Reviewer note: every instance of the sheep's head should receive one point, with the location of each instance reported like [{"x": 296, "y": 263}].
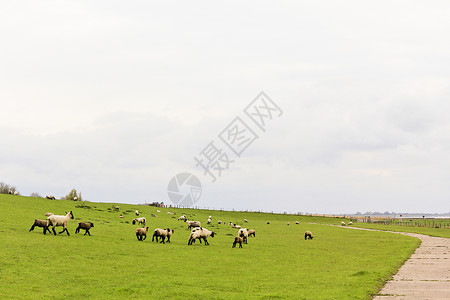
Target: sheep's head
[
  {"x": 71, "y": 214},
  {"x": 134, "y": 221},
  {"x": 92, "y": 224},
  {"x": 212, "y": 233}
]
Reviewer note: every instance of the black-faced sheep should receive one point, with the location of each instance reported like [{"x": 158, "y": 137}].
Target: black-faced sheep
[
  {"x": 350, "y": 223},
  {"x": 56, "y": 220},
  {"x": 141, "y": 220},
  {"x": 219, "y": 222},
  {"x": 209, "y": 221},
  {"x": 136, "y": 212},
  {"x": 183, "y": 217},
  {"x": 297, "y": 222},
  {"x": 243, "y": 232},
  {"x": 41, "y": 223},
  {"x": 238, "y": 239},
  {"x": 162, "y": 234},
  {"x": 308, "y": 235},
  {"x": 245, "y": 220},
  {"x": 202, "y": 233},
  {"x": 86, "y": 226},
  {"x": 141, "y": 233},
  {"x": 268, "y": 222},
  {"x": 50, "y": 197},
  {"x": 251, "y": 232},
  {"x": 343, "y": 223},
  {"x": 192, "y": 224}
]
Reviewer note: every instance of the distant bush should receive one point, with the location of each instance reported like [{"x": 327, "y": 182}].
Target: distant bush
[
  {"x": 35, "y": 195},
  {"x": 73, "y": 195}
]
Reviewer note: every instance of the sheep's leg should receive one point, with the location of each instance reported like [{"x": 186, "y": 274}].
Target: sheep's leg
[
  {"x": 240, "y": 245},
  {"x": 32, "y": 228},
  {"x": 234, "y": 244},
  {"x": 162, "y": 239},
  {"x": 53, "y": 229},
  {"x": 145, "y": 236},
  {"x": 87, "y": 231},
  {"x": 206, "y": 242}
]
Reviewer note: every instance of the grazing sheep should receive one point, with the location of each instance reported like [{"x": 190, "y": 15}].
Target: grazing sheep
[
  {"x": 297, "y": 222},
  {"x": 231, "y": 224},
  {"x": 244, "y": 234},
  {"x": 350, "y": 223},
  {"x": 170, "y": 213},
  {"x": 41, "y": 223},
  {"x": 141, "y": 220},
  {"x": 245, "y": 220},
  {"x": 192, "y": 224},
  {"x": 121, "y": 216},
  {"x": 268, "y": 222},
  {"x": 141, "y": 232},
  {"x": 50, "y": 197},
  {"x": 238, "y": 239},
  {"x": 136, "y": 212},
  {"x": 288, "y": 223},
  {"x": 158, "y": 210},
  {"x": 308, "y": 235},
  {"x": 183, "y": 217},
  {"x": 162, "y": 233},
  {"x": 209, "y": 221},
  {"x": 49, "y": 214},
  {"x": 251, "y": 232},
  {"x": 219, "y": 222},
  {"x": 343, "y": 223},
  {"x": 86, "y": 226},
  {"x": 202, "y": 233},
  {"x": 56, "y": 220},
  {"x": 16, "y": 193},
  {"x": 116, "y": 207},
  {"x": 236, "y": 226}
]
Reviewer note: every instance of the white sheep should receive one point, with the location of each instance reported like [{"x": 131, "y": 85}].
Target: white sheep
[
  {"x": 136, "y": 212},
  {"x": 141, "y": 220},
  {"x": 56, "y": 220},
  {"x": 202, "y": 233},
  {"x": 192, "y": 224},
  {"x": 251, "y": 232},
  {"x": 183, "y": 217},
  {"x": 209, "y": 221},
  {"x": 297, "y": 222},
  {"x": 243, "y": 232},
  {"x": 219, "y": 222},
  {"x": 162, "y": 233},
  {"x": 50, "y": 197},
  {"x": 350, "y": 223},
  {"x": 343, "y": 223},
  {"x": 236, "y": 226},
  {"x": 158, "y": 210},
  {"x": 41, "y": 223},
  {"x": 86, "y": 226},
  {"x": 245, "y": 220},
  {"x": 141, "y": 232},
  {"x": 16, "y": 193}
]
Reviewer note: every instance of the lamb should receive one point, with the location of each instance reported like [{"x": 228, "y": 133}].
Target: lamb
[
  {"x": 41, "y": 223},
  {"x": 288, "y": 223},
  {"x": 141, "y": 220},
  {"x": 55, "y": 220},
  {"x": 86, "y": 226},
  {"x": 192, "y": 224},
  {"x": 238, "y": 239},
  {"x": 308, "y": 235},
  {"x": 251, "y": 232},
  {"x": 50, "y": 197},
  {"x": 183, "y": 217},
  {"x": 244, "y": 234},
  {"x": 162, "y": 233},
  {"x": 343, "y": 223},
  {"x": 209, "y": 221},
  {"x": 136, "y": 212},
  {"x": 219, "y": 222},
  {"x": 49, "y": 214},
  {"x": 141, "y": 232},
  {"x": 202, "y": 233}
]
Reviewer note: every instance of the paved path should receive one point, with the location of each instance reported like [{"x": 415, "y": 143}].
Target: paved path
[{"x": 425, "y": 275}]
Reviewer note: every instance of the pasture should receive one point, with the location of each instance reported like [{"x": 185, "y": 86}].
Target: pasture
[{"x": 111, "y": 263}]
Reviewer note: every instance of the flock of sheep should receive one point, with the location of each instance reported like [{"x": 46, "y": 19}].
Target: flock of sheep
[{"x": 159, "y": 235}]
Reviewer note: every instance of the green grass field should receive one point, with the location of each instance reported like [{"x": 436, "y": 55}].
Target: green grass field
[
  {"x": 439, "y": 232},
  {"x": 111, "y": 264}
]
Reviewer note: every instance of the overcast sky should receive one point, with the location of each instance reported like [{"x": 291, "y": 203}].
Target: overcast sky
[{"x": 114, "y": 98}]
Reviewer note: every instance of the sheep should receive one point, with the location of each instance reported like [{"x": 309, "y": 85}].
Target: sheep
[
  {"x": 16, "y": 193},
  {"x": 231, "y": 224},
  {"x": 236, "y": 226},
  {"x": 209, "y": 221},
  {"x": 297, "y": 222},
  {"x": 308, "y": 235},
  {"x": 162, "y": 233},
  {"x": 244, "y": 234},
  {"x": 219, "y": 222},
  {"x": 238, "y": 239},
  {"x": 141, "y": 232},
  {"x": 343, "y": 223},
  {"x": 192, "y": 224},
  {"x": 50, "y": 197},
  {"x": 288, "y": 223},
  {"x": 202, "y": 233},
  {"x": 141, "y": 220},
  {"x": 251, "y": 232},
  {"x": 86, "y": 226},
  {"x": 268, "y": 222},
  {"x": 183, "y": 217},
  {"x": 154, "y": 216},
  {"x": 350, "y": 223},
  {"x": 158, "y": 210},
  {"x": 49, "y": 214},
  {"x": 136, "y": 212},
  {"x": 41, "y": 223},
  {"x": 121, "y": 216},
  {"x": 56, "y": 220},
  {"x": 245, "y": 220}
]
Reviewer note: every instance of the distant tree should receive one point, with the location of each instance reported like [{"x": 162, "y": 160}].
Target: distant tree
[
  {"x": 7, "y": 189},
  {"x": 36, "y": 195},
  {"x": 73, "y": 195}
]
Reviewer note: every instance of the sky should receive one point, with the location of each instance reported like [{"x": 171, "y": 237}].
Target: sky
[{"x": 115, "y": 98}]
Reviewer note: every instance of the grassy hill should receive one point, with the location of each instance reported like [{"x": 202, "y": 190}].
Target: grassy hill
[{"x": 112, "y": 263}]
